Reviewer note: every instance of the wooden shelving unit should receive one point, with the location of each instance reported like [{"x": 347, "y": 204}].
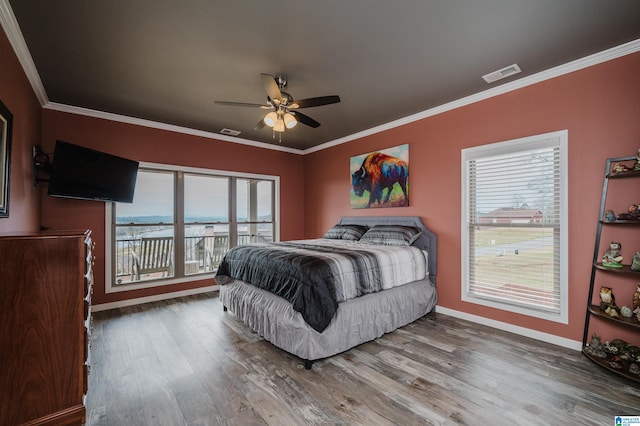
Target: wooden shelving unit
[
  {"x": 626, "y": 269},
  {"x": 612, "y": 363},
  {"x": 614, "y": 366},
  {"x": 632, "y": 322}
]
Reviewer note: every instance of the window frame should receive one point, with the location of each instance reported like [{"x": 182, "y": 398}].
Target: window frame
[
  {"x": 110, "y": 226},
  {"x": 557, "y": 139}
]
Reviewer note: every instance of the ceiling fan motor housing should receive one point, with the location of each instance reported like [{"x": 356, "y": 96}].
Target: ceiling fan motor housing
[{"x": 281, "y": 81}]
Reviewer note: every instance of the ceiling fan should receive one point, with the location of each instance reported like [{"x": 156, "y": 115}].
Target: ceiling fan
[{"x": 284, "y": 109}]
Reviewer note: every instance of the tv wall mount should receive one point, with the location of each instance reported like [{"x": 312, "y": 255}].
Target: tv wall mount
[{"x": 41, "y": 164}]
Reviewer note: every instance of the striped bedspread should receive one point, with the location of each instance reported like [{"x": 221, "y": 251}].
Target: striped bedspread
[{"x": 315, "y": 275}]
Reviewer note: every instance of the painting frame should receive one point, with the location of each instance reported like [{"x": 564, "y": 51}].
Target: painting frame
[
  {"x": 6, "y": 127},
  {"x": 380, "y": 178}
]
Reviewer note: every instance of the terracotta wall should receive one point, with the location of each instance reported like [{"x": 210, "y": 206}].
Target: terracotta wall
[
  {"x": 159, "y": 146},
  {"x": 600, "y": 108},
  {"x": 16, "y": 94}
]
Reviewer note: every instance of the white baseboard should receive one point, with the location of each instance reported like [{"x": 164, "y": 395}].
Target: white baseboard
[
  {"x": 527, "y": 332},
  {"x": 155, "y": 298}
]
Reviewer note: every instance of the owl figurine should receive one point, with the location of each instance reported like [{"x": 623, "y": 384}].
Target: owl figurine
[
  {"x": 635, "y": 263},
  {"x": 636, "y": 298},
  {"x": 613, "y": 256},
  {"x": 595, "y": 347},
  {"x": 607, "y": 298}
]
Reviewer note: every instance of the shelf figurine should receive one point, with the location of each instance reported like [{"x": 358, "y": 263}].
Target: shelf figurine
[
  {"x": 607, "y": 298},
  {"x": 608, "y": 302},
  {"x": 636, "y": 298},
  {"x": 632, "y": 353},
  {"x": 610, "y": 216},
  {"x": 632, "y": 214},
  {"x": 626, "y": 311},
  {"x": 636, "y": 166},
  {"x": 595, "y": 347},
  {"x": 620, "y": 168},
  {"x": 616, "y": 347},
  {"x": 613, "y": 256},
  {"x": 635, "y": 264}
]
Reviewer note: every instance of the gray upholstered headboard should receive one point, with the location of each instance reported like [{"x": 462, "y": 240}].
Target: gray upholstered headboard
[{"x": 428, "y": 240}]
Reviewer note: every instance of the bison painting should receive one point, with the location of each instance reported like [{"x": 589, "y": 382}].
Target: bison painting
[{"x": 377, "y": 172}]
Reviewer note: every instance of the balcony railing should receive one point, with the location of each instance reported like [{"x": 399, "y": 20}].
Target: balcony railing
[{"x": 200, "y": 253}]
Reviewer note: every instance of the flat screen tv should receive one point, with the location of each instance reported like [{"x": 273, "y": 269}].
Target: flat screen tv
[{"x": 86, "y": 174}]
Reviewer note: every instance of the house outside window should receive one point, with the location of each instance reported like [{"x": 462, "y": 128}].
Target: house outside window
[
  {"x": 514, "y": 226},
  {"x": 182, "y": 221}
]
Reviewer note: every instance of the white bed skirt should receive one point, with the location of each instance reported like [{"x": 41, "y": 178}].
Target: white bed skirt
[{"x": 356, "y": 321}]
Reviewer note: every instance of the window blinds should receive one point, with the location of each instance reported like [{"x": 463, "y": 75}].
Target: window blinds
[{"x": 514, "y": 227}]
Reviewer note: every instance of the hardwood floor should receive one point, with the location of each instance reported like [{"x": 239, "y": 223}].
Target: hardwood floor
[{"x": 186, "y": 362}]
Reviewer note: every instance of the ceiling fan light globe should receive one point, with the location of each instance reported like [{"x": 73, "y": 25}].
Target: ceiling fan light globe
[
  {"x": 271, "y": 119},
  {"x": 289, "y": 121}
]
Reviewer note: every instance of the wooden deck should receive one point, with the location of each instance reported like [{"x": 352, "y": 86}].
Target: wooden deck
[{"x": 186, "y": 362}]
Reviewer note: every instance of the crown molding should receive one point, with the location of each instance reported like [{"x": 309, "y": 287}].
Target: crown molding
[
  {"x": 579, "y": 64},
  {"x": 54, "y": 106},
  {"x": 14, "y": 34}
]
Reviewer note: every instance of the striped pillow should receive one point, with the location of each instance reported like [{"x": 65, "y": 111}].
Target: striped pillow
[
  {"x": 391, "y": 235},
  {"x": 346, "y": 232}
]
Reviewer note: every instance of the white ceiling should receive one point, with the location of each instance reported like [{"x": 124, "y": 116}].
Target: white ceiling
[{"x": 167, "y": 61}]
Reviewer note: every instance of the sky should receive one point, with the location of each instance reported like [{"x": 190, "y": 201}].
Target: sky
[{"x": 205, "y": 196}]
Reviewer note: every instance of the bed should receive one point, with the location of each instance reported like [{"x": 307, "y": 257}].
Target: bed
[{"x": 284, "y": 320}]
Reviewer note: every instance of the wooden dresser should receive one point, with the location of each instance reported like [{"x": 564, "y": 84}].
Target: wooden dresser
[{"x": 45, "y": 300}]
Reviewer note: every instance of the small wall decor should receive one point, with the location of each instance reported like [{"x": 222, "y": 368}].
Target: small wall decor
[
  {"x": 6, "y": 123},
  {"x": 380, "y": 178}
]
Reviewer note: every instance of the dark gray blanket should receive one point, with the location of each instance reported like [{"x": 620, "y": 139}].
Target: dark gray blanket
[{"x": 304, "y": 280}]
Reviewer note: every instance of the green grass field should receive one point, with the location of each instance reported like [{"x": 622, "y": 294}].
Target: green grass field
[
  {"x": 498, "y": 236},
  {"x": 531, "y": 267}
]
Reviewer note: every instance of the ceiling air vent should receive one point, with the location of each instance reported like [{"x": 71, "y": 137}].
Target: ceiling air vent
[
  {"x": 230, "y": 132},
  {"x": 503, "y": 73}
]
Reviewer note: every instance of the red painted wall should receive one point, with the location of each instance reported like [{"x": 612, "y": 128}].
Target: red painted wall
[
  {"x": 16, "y": 94},
  {"x": 600, "y": 107},
  {"x": 165, "y": 147}
]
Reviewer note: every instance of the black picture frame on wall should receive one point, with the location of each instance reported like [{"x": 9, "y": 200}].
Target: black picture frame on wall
[{"x": 6, "y": 126}]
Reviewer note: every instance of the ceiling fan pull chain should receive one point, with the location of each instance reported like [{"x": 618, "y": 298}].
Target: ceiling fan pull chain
[{"x": 273, "y": 135}]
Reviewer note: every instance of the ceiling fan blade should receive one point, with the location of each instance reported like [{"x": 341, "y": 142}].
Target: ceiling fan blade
[
  {"x": 313, "y": 102},
  {"x": 243, "y": 104},
  {"x": 260, "y": 124},
  {"x": 305, "y": 119},
  {"x": 271, "y": 87}
]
